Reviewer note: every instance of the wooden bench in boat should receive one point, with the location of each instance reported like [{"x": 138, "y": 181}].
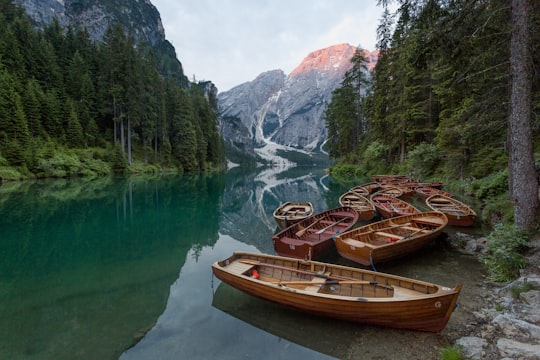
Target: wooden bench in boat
[
  {"x": 435, "y": 222},
  {"x": 388, "y": 235},
  {"x": 314, "y": 287},
  {"x": 240, "y": 268},
  {"x": 400, "y": 292},
  {"x": 414, "y": 229}
]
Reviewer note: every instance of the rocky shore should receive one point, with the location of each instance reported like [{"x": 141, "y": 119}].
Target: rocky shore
[{"x": 507, "y": 324}]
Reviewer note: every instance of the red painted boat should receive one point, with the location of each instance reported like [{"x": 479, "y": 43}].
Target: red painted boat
[{"x": 313, "y": 236}]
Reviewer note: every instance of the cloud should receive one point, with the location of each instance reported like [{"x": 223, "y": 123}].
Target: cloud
[{"x": 232, "y": 41}]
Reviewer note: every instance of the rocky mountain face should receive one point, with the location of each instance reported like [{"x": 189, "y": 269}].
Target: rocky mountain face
[
  {"x": 138, "y": 17},
  {"x": 96, "y": 16},
  {"x": 288, "y": 109}
]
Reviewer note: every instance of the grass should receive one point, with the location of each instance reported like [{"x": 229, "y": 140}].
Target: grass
[{"x": 454, "y": 352}]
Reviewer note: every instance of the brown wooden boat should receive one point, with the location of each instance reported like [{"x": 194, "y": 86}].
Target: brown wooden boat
[
  {"x": 360, "y": 190},
  {"x": 313, "y": 236},
  {"x": 366, "y": 189},
  {"x": 391, "y": 238},
  {"x": 426, "y": 191},
  {"x": 363, "y": 206},
  {"x": 397, "y": 190},
  {"x": 389, "y": 206},
  {"x": 458, "y": 213},
  {"x": 340, "y": 292},
  {"x": 290, "y": 213},
  {"x": 390, "y": 190}
]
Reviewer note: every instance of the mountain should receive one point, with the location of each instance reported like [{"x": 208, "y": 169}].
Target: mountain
[
  {"x": 287, "y": 110},
  {"x": 139, "y": 17}
]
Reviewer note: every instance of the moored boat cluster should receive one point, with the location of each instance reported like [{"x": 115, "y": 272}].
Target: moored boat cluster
[{"x": 395, "y": 229}]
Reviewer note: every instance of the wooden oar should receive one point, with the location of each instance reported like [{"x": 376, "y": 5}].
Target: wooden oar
[
  {"x": 329, "y": 226},
  {"x": 327, "y": 282},
  {"x": 391, "y": 227},
  {"x": 303, "y": 231},
  {"x": 324, "y": 276},
  {"x": 413, "y": 233},
  {"x": 312, "y": 273}
]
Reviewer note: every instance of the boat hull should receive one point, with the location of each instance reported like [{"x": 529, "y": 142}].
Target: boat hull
[
  {"x": 458, "y": 213},
  {"x": 424, "y": 312},
  {"x": 312, "y": 237},
  {"x": 390, "y": 239},
  {"x": 290, "y": 213},
  {"x": 389, "y": 206},
  {"x": 363, "y": 206}
]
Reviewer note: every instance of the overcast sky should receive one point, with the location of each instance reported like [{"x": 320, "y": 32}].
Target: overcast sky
[{"x": 230, "y": 42}]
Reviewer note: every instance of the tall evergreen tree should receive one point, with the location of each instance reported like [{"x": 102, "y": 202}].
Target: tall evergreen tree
[{"x": 523, "y": 177}]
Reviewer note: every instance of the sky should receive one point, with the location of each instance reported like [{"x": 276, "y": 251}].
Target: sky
[{"x": 230, "y": 42}]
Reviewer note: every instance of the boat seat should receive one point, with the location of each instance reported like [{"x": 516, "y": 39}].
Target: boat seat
[
  {"x": 315, "y": 280},
  {"x": 239, "y": 267},
  {"x": 414, "y": 229},
  {"x": 435, "y": 222},
  {"x": 388, "y": 235},
  {"x": 355, "y": 243},
  {"x": 326, "y": 222}
]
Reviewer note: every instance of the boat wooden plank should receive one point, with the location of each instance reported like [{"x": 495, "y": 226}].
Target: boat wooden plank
[
  {"x": 400, "y": 292},
  {"x": 315, "y": 288},
  {"x": 375, "y": 237},
  {"x": 382, "y": 233},
  {"x": 239, "y": 267},
  {"x": 426, "y": 222},
  {"x": 414, "y": 229}
]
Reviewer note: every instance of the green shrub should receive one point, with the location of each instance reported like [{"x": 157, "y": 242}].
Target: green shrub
[
  {"x": 423, "y": 160},
  {"x": 498, "y": 211},
  {"x": 517, "y": 290},
  {"x": 344, "y": 171},
  {"x": 452, "y": 353},
  {"x": 504, "y": 259},
  {"x": 60, "y": 165},
  {"x": 374, "y": 159},
  {"x": 491, "y": 186}
]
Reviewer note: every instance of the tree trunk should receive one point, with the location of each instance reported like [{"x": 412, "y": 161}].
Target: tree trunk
[
  {"x": 122, "y": 137},
  {"x": 129, "y": 140},
  {"x": 524, "y": 185}
]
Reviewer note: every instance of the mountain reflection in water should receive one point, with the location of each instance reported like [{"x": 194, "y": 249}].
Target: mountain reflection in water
[{"x": 121, "y": 267}]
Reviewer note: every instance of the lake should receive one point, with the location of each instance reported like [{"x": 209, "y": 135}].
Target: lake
[{"x": 121, "y": 268}]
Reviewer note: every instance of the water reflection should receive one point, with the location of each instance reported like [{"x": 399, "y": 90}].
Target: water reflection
[
  {"x": 92, "y": 268},
  {"x": 87, "y": 265}
]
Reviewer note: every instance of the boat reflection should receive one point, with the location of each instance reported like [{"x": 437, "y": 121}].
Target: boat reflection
[{"x": 316, "y": 333}]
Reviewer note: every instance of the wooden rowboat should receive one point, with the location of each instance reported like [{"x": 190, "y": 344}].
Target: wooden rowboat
[
  {"x": 291, "y": 212},
  {"x": 391, "y": 238},
  {"x": 389, "y": 206},
  {"x": 363, "y": 206},
  {"x": 458, "y": 213},
  {"x": 426, "y": 191},
  {"x": 390, "y": 190},
  {"x": 340, "y": 292},
  {"x": 360, "y": 190},
  {"x": 313, "y": 236},
  {"x": 366, "y": 189}
]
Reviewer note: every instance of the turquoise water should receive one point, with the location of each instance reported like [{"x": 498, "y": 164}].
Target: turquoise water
[{"x": 121, "y": 268}]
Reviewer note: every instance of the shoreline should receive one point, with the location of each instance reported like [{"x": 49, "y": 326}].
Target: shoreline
[{"x": 490, "y": 323}]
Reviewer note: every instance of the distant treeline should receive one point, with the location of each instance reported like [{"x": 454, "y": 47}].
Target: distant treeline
[{"x": 71, "y": 106}]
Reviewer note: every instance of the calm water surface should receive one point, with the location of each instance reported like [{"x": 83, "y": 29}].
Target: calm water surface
[{"x": 121, "y": 268}]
